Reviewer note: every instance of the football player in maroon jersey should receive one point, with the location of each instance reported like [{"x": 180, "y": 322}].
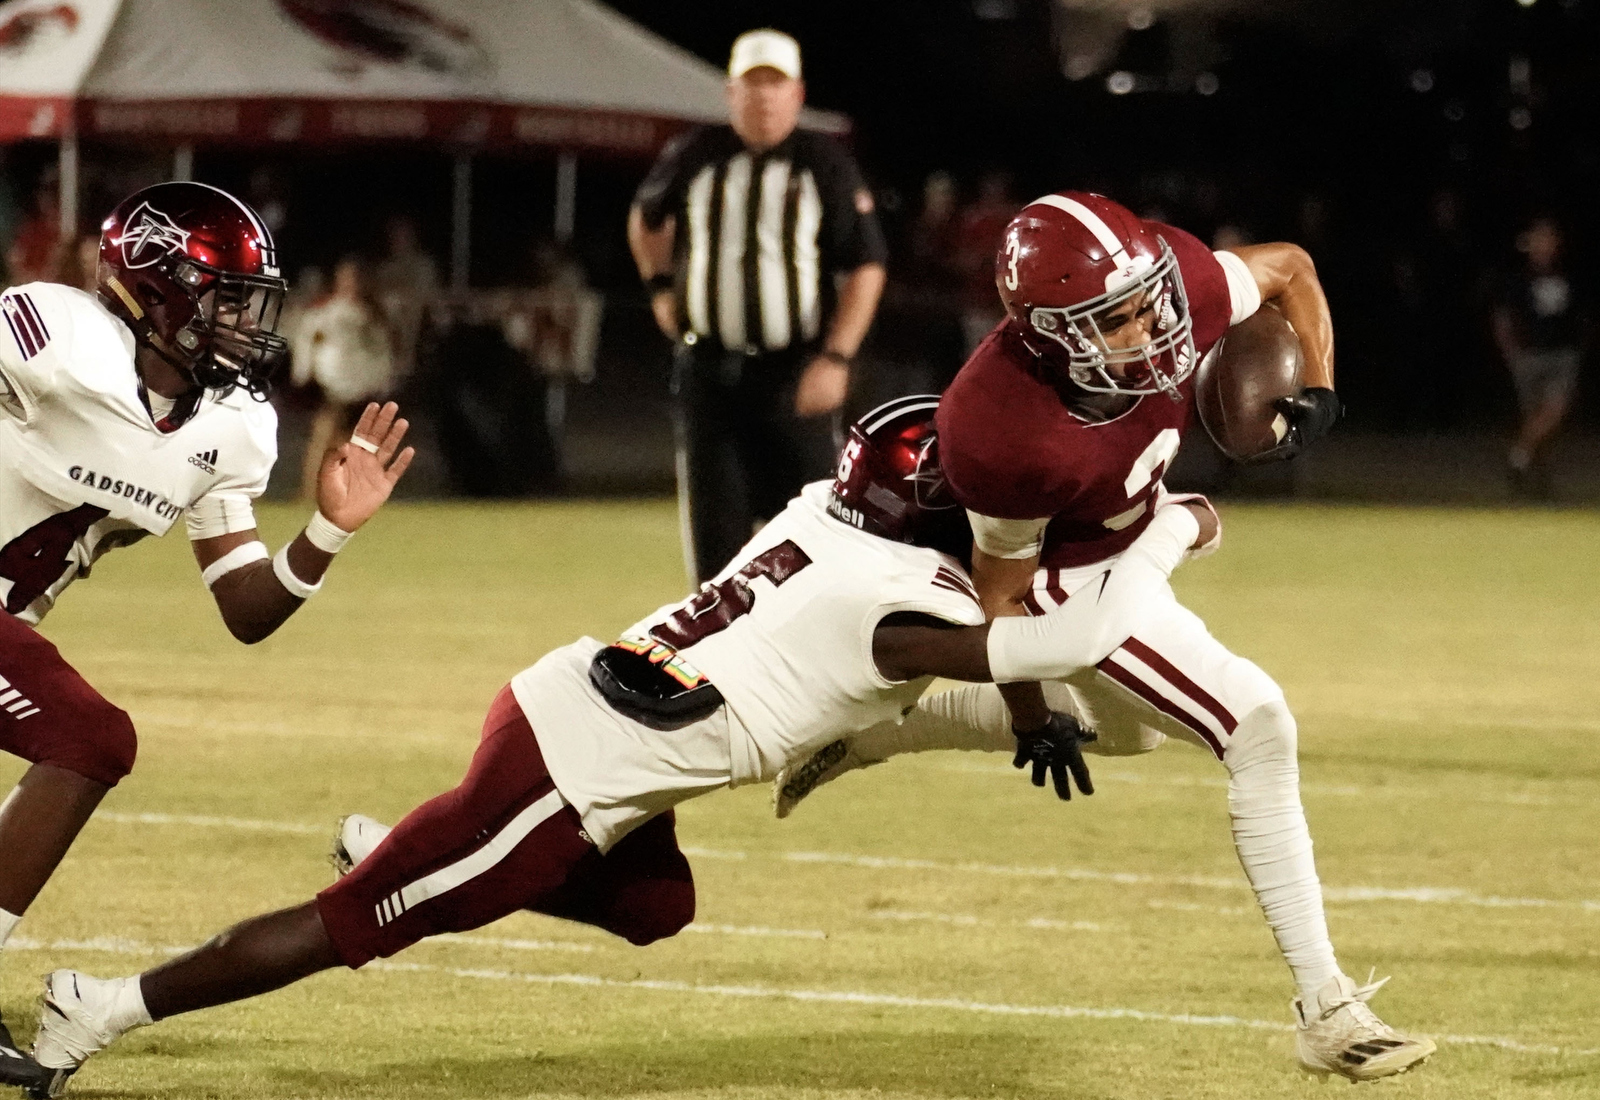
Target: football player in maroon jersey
[{"x": 1055, "y": 436}]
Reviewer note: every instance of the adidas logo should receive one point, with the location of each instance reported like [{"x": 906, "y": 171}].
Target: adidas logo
[{"x": 206, "y": 460}]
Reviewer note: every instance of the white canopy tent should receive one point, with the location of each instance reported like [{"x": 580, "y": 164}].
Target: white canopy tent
[{"x": 459, "y": 75}]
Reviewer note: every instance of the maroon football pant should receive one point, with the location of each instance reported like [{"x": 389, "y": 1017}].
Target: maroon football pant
[
  {"x": 505, "y": 840},
  {"x": 50, "y": 715}
]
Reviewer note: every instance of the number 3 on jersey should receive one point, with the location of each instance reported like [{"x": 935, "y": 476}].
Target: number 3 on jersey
[
  {"x": 1145, "y": 476},
  {"x": 35, "y": 559}
]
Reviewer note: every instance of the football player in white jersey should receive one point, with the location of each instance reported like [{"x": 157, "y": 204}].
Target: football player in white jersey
[
  {"x": 836, "y": 616},
  {"x": 121, "y": 411}
]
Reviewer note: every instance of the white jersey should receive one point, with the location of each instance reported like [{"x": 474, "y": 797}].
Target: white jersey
[
  {"x": 83, "y": 466},
  {"x": 783, "y": 636}
]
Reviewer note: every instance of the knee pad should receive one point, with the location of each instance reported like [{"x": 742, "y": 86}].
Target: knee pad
[
  {"x": 1267, "y": 731},
  {"x": 666, "y": 911},
  {"x": 100, "y": 744}
]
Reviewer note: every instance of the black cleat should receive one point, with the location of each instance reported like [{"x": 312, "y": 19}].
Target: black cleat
[{"x": 16, "y": 1067}]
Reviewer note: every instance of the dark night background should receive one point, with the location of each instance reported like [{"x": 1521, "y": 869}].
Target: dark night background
[{"x": 1336, "y": 125}]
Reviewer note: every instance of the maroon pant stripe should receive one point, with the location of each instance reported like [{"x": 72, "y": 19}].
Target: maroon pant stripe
[
  {"x": 1178, "y": 680},
  {"x": 1144, "y": 691},
  {"x": 1054, "y": 587}
]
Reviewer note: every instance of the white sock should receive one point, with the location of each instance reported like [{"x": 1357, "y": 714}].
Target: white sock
[
  {"x": 8, "y": 922},
  {"x": 1274, "y": 843},
  {"x": 127, "y": 1005}
]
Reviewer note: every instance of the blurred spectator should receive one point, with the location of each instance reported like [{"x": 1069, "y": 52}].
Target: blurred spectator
[
  {"x": 1447, "y": 285},
  {"x": 80, "y": 262},
  {"x": 34, "y": 255},
  {"x": 565, "y": 316},
  {"x": 977, "y": 237},
  {"x": 404, "y": 282},
  {"x": 266, "y": 193},
  {"x": 931, "y": 243},
  {"x": 1539, "y": 327},
  {"x": 343, "y": 345}
]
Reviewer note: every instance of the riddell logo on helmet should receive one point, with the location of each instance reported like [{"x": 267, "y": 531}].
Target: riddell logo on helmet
[{"x": 149, "y": 236}]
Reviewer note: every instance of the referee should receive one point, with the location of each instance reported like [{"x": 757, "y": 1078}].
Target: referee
[{"x": 764, "y": 262}]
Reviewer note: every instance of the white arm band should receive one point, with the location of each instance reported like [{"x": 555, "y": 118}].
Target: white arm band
[
  {"x": 237, "y": 558},
  {"x": 1101, "y": 616},
  {"x": 1244, "y": 296},
  {"x": 286, "y": 577},
  {"x": 1012, "y": 539},
  {"x": 326, "y": 536}
]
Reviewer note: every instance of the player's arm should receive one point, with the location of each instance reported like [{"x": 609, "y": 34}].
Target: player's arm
[
  {"x": 1286, "y": 278},
  {"x": 1005, "y": 556},
  {"x": 257, "y": 594},
  {"x": 1079, "y": 634}
]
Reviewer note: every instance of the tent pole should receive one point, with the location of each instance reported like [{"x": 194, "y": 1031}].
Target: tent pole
[
  {"x": 67, "y": 163},
  {"x": 183, "y": 162},
  {"x": 461, "y": 222},
  {"x": 566, "y": 194}
]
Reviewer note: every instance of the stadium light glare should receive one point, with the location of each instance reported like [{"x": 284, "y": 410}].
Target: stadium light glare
[
  {"x": 1207, "y": 83},
  {"x": 1119, "y": 82}
]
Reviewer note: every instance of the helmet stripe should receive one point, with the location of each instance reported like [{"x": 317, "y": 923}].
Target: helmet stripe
[
  {"x": 1092, "y": 222},
  {"x": 255, "y": 219},
  {"x": 886, "y": 412}
]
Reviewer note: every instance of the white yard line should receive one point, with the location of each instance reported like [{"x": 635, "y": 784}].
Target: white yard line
[
  {"x": 204, "y": 822},
  {"x": 968, "y": 921},
  {"x": 891, "y": 1000},
  {"x": 1435, "y": 895},
  {"x": 756, "y": 930},
  {"x": 1343, "y": 790},
  {"x": 122, "y": 946}
]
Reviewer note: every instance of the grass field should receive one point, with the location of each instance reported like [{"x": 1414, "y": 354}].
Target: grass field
[{"x": 931, "y": 928}]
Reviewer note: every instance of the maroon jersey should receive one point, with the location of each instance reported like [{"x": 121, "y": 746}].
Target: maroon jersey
[{"x": 1012, "y": 449}]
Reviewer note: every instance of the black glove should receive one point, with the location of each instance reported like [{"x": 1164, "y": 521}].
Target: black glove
[
  {"x": 1311, "y": 413},
  {"x": 1055, "y": 747}
]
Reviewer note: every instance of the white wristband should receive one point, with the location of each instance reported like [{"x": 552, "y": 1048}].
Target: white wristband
[
  {"x": 322, "y": 533},
  {"x": 286, "y": 577},
  {"x": 237, "y": 558}
]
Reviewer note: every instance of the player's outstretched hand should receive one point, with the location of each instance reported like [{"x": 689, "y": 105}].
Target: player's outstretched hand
[
  {"x": 1057, "y": 748},
  {"x": 1311, "y": 413},
  {"x": 357, "y": 476}
]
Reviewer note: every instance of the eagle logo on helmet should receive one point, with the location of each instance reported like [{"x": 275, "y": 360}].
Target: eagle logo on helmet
[{"x": 149, "y": 236}]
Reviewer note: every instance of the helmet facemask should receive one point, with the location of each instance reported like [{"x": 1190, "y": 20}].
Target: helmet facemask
[
  {"x": 230, "y": 339},
  {"x": 1076, "y": 329}
]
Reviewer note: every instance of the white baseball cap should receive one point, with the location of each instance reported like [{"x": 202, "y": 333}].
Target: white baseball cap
[{"x": 774, "y": 49}]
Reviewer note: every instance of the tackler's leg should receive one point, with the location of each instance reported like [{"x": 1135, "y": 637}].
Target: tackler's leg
[
  {"x": 501, "y": 841},
  {"x": 80, "y": 745}
]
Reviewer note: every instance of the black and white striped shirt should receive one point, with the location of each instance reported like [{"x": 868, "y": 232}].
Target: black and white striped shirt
[{"x": 760, "y": 235}]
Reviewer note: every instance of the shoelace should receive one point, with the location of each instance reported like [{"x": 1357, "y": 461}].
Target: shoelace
[{"x": 1366, "y": 1022}]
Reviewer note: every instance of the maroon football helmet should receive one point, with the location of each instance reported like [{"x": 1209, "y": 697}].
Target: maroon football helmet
[
  {"x": 193, "y": 272},
  {"x": 1066, "y": 261},
  {"x": 889, "y": 482}
]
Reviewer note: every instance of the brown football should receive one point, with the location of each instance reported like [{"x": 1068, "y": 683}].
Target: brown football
[{"x": 1257, "y": 363}]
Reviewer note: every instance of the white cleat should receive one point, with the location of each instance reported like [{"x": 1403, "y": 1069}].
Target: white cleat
[
  {"x": 358, "y": 835},
  {"x": 828, "y": 763},
  {"x": 78, "y": 1019},
  {"x": 1338, "y": 1033}
]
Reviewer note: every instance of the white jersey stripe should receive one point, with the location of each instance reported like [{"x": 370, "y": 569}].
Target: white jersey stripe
[
  {"x": 698, "y": 204},
  {"x": 808, "y": 257},
  {"x": 1091, "y": 221},
  {"x": 772, "y": 276},
  {"x": 470, "y": 867},
  {"x": 730, "y": 253}
]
